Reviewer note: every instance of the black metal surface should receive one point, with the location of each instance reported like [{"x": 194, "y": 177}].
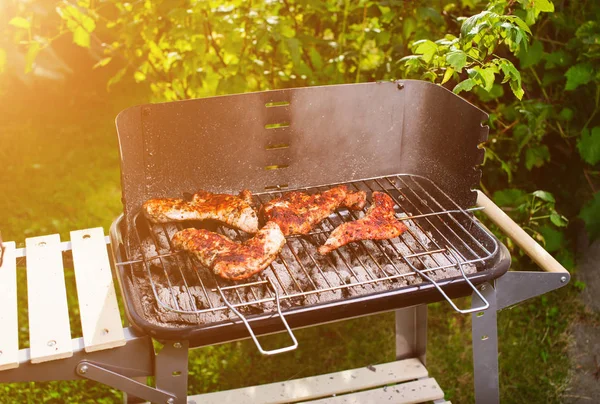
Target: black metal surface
[{"x": 333, "y": 134}]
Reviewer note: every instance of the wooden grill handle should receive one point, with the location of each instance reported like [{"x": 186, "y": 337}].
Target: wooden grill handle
[{"x": 535, "y": 251}]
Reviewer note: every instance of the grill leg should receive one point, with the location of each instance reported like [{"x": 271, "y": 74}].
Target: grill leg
[
  {"x": 485, "y": 348},
  {"x": 129, "y": 398},
  {"x": 411, "y": 332},
  {"x": 171, "y": 369}
]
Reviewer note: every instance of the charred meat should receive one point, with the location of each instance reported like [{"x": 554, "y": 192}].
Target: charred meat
[
  {"x": 298, "y": 212},
  {"x": 234, "y": 211},
  {"x": 379, "y": 223},
  {"x": 228, "y": 259}
]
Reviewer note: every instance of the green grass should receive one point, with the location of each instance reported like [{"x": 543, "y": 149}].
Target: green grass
[{"x": 60, "y": 172}]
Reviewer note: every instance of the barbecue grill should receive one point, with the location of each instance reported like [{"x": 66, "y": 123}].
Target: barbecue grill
[{"x": 415, "y": 141}]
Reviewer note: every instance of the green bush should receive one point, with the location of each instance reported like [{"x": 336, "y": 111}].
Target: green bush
[{"x": 531, "y": 64}]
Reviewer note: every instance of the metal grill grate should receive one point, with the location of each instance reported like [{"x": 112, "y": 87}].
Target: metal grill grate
[{"x": 442, "y": 241}]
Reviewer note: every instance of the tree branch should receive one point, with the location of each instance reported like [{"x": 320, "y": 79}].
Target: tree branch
[
  {"x": 589, "y": 180},
  {"x": 214, "y": 43}
]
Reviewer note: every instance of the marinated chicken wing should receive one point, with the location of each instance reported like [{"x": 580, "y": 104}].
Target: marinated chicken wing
[
  {"x": 379, "y": 223},
  {"x": 234, "y": 211},
  {"x": 227, "y": 258},
  {"x": 298, "y": 212}
]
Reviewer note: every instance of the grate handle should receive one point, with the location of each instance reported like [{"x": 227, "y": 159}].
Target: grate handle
[
  {"x": 531, "y": 247},
  {"x": 247, "y": 324},
  {"x": 459, "y": 264}
]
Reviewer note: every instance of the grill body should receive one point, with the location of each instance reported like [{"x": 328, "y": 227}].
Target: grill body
[
  {"x": 232, "y": 329},
  {"x": 297, "y": 138}
]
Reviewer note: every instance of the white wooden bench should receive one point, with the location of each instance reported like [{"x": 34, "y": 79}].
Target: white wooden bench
[
  {"x": 109, "y": 353},
  {"x": 404, "y": 381}
]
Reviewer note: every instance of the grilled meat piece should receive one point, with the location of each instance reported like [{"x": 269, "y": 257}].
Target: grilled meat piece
[
  {"x": 234, "y": 211},
  {"x": 379, "y": 223},
  {"x": 298, "y": 212},
  {"x": 228, "y": 259}
]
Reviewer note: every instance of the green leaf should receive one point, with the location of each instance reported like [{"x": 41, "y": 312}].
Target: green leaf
[
  {"x": 536, "y": 156},
  {"x": 465, "y": 85},
  {"x": 496, "y": 92},
  {"x": 448, "y": 75},
  {"x": 544, "y": 196},
  {"x": 553, "y": 239},
  {"x": 517, "y": 89},
  {"x": 426, "y": 48},
  {"x": 512, "y": 75},
  {"x": 509, "y": 70},
  {"x": 543, "y": 5},
  {"x": 558, "y": 220},
  {"x": 103, "y": 62},
  {"x": 139, "y": 76},
  {"x": 383, "y": 38},
  {"x": 315, "y": 58},
  {"x": 429, "y": 76},
  {"x": 232, "y": 84},
  {"x": 509, "y": 197},
  {"x": 293, "y": 46},
  {"x": 32, "y": 53},
  {"x": 457, "y": 59},
  {"x": 531, "y": 56},
  {"x": 588, "y": 31},
  {"x": 81, "y": 37},
  {"x": 520, "y": 23},
  {"x": 559, "y": 58},
  {"x": 409, "y": 25},
  {"x": 487, "y": 77},
  {"x": 287, "y": 31},
  {"x": 474, "y": 23},
  {"x": 412, "y": 62},
  {"x": 20, "y": 22},
  {"x": 116, "y": 78},
  {"x": 590, "y": 214},
  {"x": 81, "y": 24},
  {"x": 566, "y": 114},
  {"x": 579, "y": 74},
  {"x": 589, "y": 145}
]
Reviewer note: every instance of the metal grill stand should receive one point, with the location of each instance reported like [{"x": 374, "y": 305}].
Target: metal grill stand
[{"x": 120, "y": 367}]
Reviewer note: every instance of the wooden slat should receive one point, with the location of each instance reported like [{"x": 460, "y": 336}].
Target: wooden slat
[
  {"x": 9, "y": 327},
  {"x": 419, "y": 391},
  {"x": 320, "y": 386},
  {"x": 49, "y": 328},
  {"x": 100, "y": 318}
]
